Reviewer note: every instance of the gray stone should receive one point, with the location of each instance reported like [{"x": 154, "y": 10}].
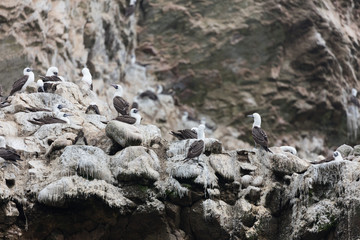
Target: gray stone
[
  {"x": 224, "y": 165},
  {"x": 287, "y": 164},
  {"x": 124, "y": 134},
  {"x": 345, "y": 150},
  {"x": 357, "y": 150}
]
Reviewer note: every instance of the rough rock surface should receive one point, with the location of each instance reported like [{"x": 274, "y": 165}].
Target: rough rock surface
[{"x": 293, "y": 61}]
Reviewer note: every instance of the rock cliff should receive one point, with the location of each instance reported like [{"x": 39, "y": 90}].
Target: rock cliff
[{"x": 294, "y": 62}]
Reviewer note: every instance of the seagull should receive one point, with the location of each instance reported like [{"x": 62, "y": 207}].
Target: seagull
[
  {"x": 259, "y": 135},
  {"x": 60, "y": 118},
  {"x": 120, "y": 104},
  {"x": 134, "y": 117},
  {"x": 197, "y": 147},
  {"x": 353, "y": 98},
  {"x": 8, "y": 153},
  {"x": 130, "y": 9},
  {"x": 52, "y": 75},
  {"x": 92, "y": 109},
  {"x": 87, "y": 78},
  {"x": 22, "y": 83}
]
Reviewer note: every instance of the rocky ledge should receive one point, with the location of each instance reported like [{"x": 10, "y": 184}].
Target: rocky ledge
[{"x": 131, "y": 183}]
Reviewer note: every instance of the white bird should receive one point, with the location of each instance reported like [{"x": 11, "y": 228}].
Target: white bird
[
  {"x": 21, "y": 84},
  {"x": 87, "y": 78},
  {"x": 289, "y": 149},
  {"x": 52, "y": 75}
]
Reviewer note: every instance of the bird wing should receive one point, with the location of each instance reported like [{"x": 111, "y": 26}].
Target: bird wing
[
  {"x": 35, "y": 109},
  {"x": 355, "y": 101},
  {"x": 135, "y": 105},
  {"x": 188, "y": 134},
  {"x": 121, "y": 105},
  {"x": 129, "y": 11},
  {"x": 126, "y": 119},
  {"x": 9, "y": 154},
  {"x": 46, "y": 120},
  {"x": 149, "y": 94},
  {"x": 50, "y": 78},
  {"x": 196, "y": 148},
  {"x": 93, "y": 108},
  {"x": 18, "y": 84},
  {"x": 260, "y": 136}
]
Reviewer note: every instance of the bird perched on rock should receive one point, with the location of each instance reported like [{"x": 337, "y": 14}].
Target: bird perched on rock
[
  {"x": 87, "y": 78},
  {"x": 184, "y": 134},
  {"x": 56, "y": 109},
  {"x": 7, "y": 153},
  {"x": 59, "y": 118},
  {"x": 22, "y": 83},
  {"x": 197, "y": 147},
  {"x": 51, "y": 75},
  {"x": 289, "y": 149},
  {"x": 258, "y": 134},
  {"x": 120, "y": 104},
  {"x": 336, "y": 156},
  {"x": 353, "y": 98},
  {"x": 133, "y": 118},
  {"x": 46, "y": 87},
  {"x": 92, "y": 109},
  {"x": 151, "y": 94}
]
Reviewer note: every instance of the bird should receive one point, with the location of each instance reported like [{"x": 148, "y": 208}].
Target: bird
[
  {"x": 186, "y": 117},
  {"x": 130, "y": 9},
  {"x": 46, "y": 87},
  {"x": 120, "y": 104},
  {"x": 258, "y": 134},
  {"x": 92, "y": 109},
  {"x": 8, "y": 153},
  {"x": 335, "y": 156},
  {"x": 184, "y": 134},
  {"x": 51, "y": 75},
  {"x": 197, "y": 147},
  {"x": 56, "y": 109},
  {"x": 133, "y": 118},
  {"x": 87, "y": 78},
  {"x": 151, "y": 94},
  {"x": 60, "y": 118},
  {"x": 289, "y": 149},
  {"x": 353, "y": 98},
  {"x": 22, "y": 83}
]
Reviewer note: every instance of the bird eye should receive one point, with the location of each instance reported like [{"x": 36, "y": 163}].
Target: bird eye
[
  {"x": 135, "y": 111},
  {"x": 28, "y": 70},
  {"x": 55, "y": 73},
  {"x": 336, "y": 154}
]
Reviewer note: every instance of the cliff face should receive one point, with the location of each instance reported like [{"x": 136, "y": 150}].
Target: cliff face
[{"x": 294, "y": 62}]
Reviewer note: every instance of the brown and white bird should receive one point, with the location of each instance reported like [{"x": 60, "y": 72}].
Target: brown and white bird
[
  {"x": 58, "y": 118},
  {"x": 197, "y": 147},
  {"x": 335, "y": 157},
  {"x": 130, "y": 9},
  {"x": 258, "y": 134},
  {"x": 92, "y": 109},
  {"x": 184, "y": 134},
  {"x": 120, "y": 104},
  {"x": 21, "y": 84},
  {"x": 51, "y": 75},
  {"x": 133, "y": 118},
  {"x": 7, "y": 153}
]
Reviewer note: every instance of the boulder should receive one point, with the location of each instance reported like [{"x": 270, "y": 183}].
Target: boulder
[
  {"x": 136, "y": 164},
  {"x": 124, "y": 134},
  {"x": 345, "y": 150},
  {"x": 287, "y": 163},
  {"x": 224, "y": 165},
  {"x": 151, "y": 134}
]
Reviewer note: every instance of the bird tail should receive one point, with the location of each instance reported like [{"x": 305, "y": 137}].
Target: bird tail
[{"x": 267, "y": 149}]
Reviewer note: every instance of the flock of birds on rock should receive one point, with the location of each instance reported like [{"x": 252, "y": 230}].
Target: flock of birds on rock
[{"x": 51, "y": 80}]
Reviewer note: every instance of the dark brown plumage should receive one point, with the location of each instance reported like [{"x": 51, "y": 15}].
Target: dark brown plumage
[
  {"x": 9, "y": 154},
  {"x": 354, "y": 101},
  {"x": 52, "y": 78},
  {"x": 34, "y": 109},
  {"x": 129, "y": 10},
  {"x": 92, "y": 109},
  {"x": 46, "y": 120},
  {"x": 149, "y": 94},
  {"x": 121, "y": 105},
  {"x": 135, "y": 105},
  {"x": 126, "y": 119},
  {"x": 18, "y": 84},
  {"x": 184, "y": 134},
  {"x": 260, "y": 138},
  {"x": 195, "y": 150}
]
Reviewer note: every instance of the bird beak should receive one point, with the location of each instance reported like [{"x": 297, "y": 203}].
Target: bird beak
[
  {"x": 114, "y": 85},
  {"x": 31, "y": 69},
  {"x": 250, "y": 116},
  {"x": 68, "y": 115}
]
